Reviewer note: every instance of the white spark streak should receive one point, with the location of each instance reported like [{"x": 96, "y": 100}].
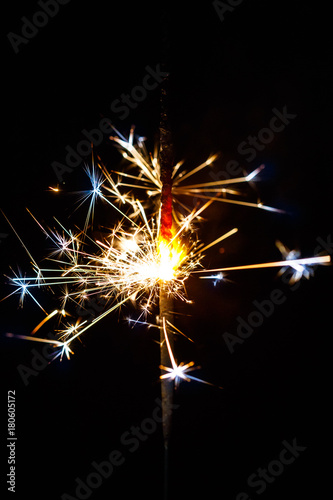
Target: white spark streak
[{"x": 178, "y": 372}]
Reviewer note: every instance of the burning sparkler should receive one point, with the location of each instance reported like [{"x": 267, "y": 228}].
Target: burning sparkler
[
  {"x": 146, "y": 258},
  {"x": 141, "y": 259}
]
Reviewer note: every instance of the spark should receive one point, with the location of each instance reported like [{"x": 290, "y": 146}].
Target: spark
[
  {"x": 218, "y": 240},
  {"x": 96, "y": 180},
  {"x": 23, "y": 285},
  {"x": 49, "y": 316},
  {"x": 35, "y": 339},
  {"x": 56, "y": 343},
  {"x": 215, "y": 277},
  {"x": 178, "y": 372},
  {"x": 291, "y": 255},
  {"x": 138, "y": 322},
  {"x": 20, "y": 240},
  {"x": 325, "y": 259}
]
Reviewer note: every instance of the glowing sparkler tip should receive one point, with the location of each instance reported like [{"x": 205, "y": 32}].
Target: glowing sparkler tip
[{"x": 170, "y": 255}]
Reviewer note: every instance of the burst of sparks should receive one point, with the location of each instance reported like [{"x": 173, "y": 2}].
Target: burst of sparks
[
  {"x": 128, "y": 265},
  {"x": 149, "y": 177},
  {"x": 131, "y": 262}
]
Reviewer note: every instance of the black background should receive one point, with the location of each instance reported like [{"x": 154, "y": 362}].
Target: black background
[{"x": 225, "y": 79}]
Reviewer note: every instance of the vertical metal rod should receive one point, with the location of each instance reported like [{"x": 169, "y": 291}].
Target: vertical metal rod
[{"x": 166, "y": 160}]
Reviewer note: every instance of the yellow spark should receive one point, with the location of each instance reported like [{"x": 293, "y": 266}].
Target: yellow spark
[
  {"x": 218, "y": 240},
  {"x": 307, "y": 261},
  {"x": 49, "y": 316}
]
